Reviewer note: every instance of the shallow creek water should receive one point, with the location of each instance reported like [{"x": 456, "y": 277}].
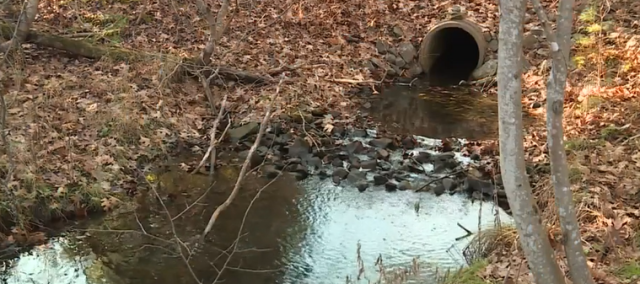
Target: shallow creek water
[{"x": 296, "y": 232}]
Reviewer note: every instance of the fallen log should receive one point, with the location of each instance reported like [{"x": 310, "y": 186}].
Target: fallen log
[
  {"x": 76, "y": 47},
  {"x": 95, "y": 51}
]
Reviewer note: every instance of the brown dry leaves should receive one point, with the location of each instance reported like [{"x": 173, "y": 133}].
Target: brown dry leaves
[{"x": 76, "y": 122}]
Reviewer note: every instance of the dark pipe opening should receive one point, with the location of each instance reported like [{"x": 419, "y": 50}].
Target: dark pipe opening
[{"x": 456, "y": 55}]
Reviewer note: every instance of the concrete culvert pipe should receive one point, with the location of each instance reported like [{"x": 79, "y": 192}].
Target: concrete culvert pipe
[{"x": 451, "y": 51}]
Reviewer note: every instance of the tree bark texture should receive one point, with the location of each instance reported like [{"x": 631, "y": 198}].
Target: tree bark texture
[
  {"x": 533, "y": 237},
  {"x": 24, "y": 25},
  {"x": 579, "y": 271}
]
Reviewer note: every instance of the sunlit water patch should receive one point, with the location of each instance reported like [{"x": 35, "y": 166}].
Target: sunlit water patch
[{"x": 396, "y": 225}]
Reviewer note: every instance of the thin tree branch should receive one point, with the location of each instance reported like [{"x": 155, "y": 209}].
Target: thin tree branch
[
  {"x": 245, "y": 166},
  {"x": 579, "y": 271}
]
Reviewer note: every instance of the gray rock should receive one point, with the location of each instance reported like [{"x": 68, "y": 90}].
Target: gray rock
[
  {"x": 472, "y": 185},
  {"x": 449, "y": 184},
  {"x": 378, "y": 63},
  {"x": 270, "y": 171},
  {"x": 409, "y": 143},
  {"x": 369, "y": 164},
  {"x": 362, "y": 186},
  {"x": 407, "y": 51},
  {"x": 394, "y": 70},
  {"x": 382, "y": 143},
  {"x": 369, "y": 65},
  {"x": 299, "y": 149},
  {"x": 314, "y": 162},
  {"x": 390, "y": 69},
  {"x": 390, "y": 186},
  {"x": 487, "y": 36},
  {"x": 355, "y": 161},
  {"x": 355, "y": 147},
  {"x": 255, "y": 159},
  {"x": 300, "y": 175},
  {"x": 262, "y": 150},
  {"x": 384, "y": 165},
  {"x": 443, "y": 162},
  {"x": 239, "y": 133},
  {"x": 405, "y": 185},
  {"x": 414, "y": 69},
  {"x": 380, "y": 180},
  {"x": 488, "y": 69},
  {"x": 336, "y": 162},
  {"x": 423, "y": 157},
  {"x": 412, "y": 166},
  {"x": 390, "y": 58},
  {"x": 336, "y": 179},
  {"x": 397, "y": 31},
  {"x": 493, "y": 45},
  {"x": 356, "y": 176},
  {"x": 439, "y": 189},
  {"x": 359, "y": 133},
  {"x": 341, "y": 173},
  {"x": 382, "y": 47},
  {"x": 399, "y": 62}
]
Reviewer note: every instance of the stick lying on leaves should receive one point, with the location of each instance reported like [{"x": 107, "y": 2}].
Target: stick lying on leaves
[
  {"x": 211, "y": 152},
  {"x": 245, "y": 167}
]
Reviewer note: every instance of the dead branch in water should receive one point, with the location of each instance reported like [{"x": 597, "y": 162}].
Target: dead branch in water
[{"x": 245, "y": 166}]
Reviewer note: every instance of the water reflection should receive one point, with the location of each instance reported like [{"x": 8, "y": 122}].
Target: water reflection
[
  {"x": 294, "y": 233},
  {"x": 436, "y": 113},
  {"x": 384, "y": 224}
]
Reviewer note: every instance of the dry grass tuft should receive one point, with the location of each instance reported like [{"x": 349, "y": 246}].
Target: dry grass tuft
[{"x": 489, "y": 241}]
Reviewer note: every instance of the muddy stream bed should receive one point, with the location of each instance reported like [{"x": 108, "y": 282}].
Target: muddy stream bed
[{"x": 297, "y": 231}]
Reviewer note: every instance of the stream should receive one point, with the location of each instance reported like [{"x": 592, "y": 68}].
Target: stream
[{"x": 311, "y": 231}]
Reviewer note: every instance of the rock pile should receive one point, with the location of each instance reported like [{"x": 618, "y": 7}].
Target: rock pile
[{"x": 358, "y": 159}]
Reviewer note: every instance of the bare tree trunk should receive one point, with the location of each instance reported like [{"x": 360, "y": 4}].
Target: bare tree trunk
[
  {"x": 561, "y": 46},
  {"x": 216, "y": 28},
  {"x": 533, "y": 237},
  {"x": 24, "y": 25}
]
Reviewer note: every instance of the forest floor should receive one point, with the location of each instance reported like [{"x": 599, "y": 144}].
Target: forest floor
[{"x": 82, "y": 130}]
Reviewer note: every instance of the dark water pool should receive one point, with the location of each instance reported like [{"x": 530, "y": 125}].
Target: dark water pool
[{"x": 306, "y": 232}]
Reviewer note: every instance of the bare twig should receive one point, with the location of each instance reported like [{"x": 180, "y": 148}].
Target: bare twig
[
  {"x": 352, "y": 81},
  {"x": 465, "y": 229},
  {"x": 211, "y": 151},
  {"x": 194, "y": 203},
  {"x": 245, "y": 167}
]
